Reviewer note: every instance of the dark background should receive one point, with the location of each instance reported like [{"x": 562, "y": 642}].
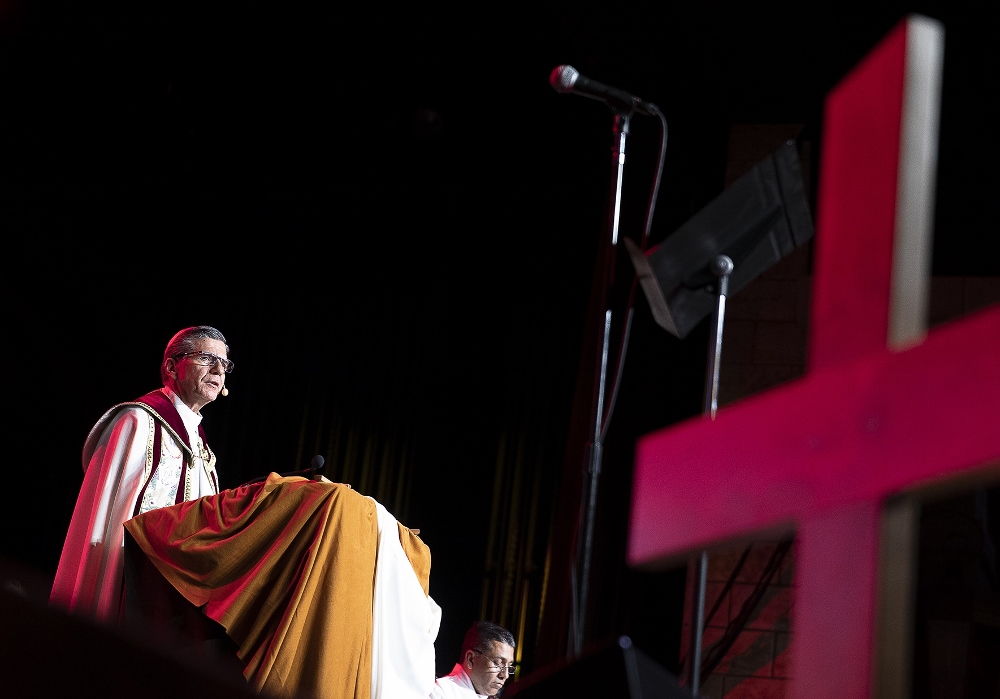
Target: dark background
[{"x": 392, "y": 216}]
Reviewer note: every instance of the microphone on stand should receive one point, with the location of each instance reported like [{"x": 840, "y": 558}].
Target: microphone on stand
[
  {"x": 566, "y": 79},
  {"x": 312, "y": 472},
  {"x": 316, "y": 466}
]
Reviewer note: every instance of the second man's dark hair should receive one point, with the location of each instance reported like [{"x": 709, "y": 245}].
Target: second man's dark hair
[{"x": 481, "y": 633}]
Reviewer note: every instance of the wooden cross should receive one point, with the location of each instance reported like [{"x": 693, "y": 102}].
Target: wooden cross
[{"x": 885, "y": 411}]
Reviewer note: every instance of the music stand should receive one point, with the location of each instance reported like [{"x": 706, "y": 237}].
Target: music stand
[
  {"x": 756, "y": 221},
  {"x": 753, "y": 224}
]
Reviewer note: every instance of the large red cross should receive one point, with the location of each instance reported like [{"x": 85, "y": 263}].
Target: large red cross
[{"x": 885, "y": 408}]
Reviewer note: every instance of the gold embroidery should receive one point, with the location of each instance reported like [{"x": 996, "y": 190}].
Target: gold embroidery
[
  {"x": 209, "y": 464},
  {"x": 149, "y": 449},
  {"x": 187, "y": 482},
  {"x": 203, "y": 452}
]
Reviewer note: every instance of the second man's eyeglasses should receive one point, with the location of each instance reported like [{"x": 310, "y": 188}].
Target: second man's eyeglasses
[{"x": 498, "y": 663}]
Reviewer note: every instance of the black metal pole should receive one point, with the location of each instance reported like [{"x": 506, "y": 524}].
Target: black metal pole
[
  {"x": 620, "y": 137},
  {"x": 721, "y": 267}
]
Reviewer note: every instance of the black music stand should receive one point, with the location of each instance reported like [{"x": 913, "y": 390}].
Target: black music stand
[
  {"x": 752, "y": 225},
  {"x": 755, "y": 222}
]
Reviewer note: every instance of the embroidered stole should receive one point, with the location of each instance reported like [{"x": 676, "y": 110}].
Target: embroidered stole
[{"x": 165, "y": 416}]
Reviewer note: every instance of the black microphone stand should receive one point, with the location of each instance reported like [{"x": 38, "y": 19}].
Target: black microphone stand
[
  {"x": 620, "y": 133},
  {"x": 721, "y": 268}
]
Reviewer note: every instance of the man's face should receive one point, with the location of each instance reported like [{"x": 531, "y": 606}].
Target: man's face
[
  {"x": 195, "y": 384},
  {"x": 487, "y": 666}
]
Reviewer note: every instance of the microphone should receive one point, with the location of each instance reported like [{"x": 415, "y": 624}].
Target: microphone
[
  {"x": 566, "y": 79},
  {"x": 317, "y": 466}
]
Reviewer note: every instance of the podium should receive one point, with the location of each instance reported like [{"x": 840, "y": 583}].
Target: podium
[
  {"x": 153, "y": 608},
  {"x": 305, "y": 588}
]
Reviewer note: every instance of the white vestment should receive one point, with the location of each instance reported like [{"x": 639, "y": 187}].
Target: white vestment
[
  {"x": 456, "y": 685},
  {"x": 117, "y": 462},
  {"x": 405, "y": 622}
]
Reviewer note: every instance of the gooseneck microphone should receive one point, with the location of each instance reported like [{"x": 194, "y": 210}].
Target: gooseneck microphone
[{"x": 567, "y": 80}]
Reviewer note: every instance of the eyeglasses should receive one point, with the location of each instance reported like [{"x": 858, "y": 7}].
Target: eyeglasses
[
  {"x": 208, "y": 359},
  {"x": 499, "y": 664}
]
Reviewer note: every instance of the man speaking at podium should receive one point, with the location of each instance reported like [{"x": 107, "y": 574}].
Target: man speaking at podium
[
  {"x": 139, "y": 456},
  {"x": 316, "y": 589}
]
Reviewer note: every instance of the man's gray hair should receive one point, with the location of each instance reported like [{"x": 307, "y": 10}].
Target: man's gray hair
[{"x": 184, "y": 341}]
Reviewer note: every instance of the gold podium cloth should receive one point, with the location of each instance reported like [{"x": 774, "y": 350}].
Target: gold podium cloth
[{"x": 287, "y": 567}]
